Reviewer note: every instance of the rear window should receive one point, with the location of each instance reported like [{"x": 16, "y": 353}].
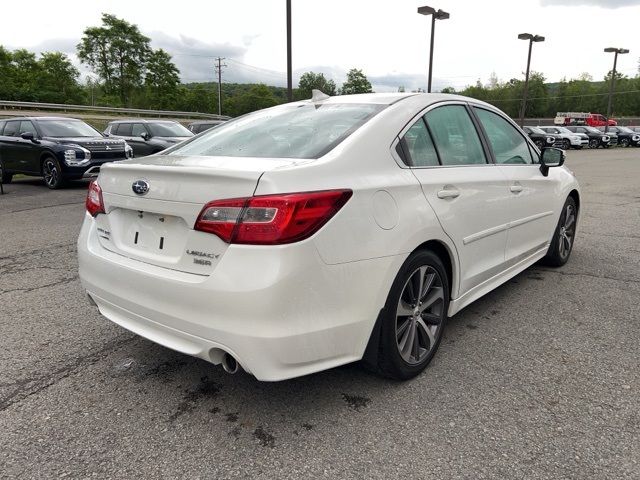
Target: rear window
[{"x": 301, "y": 131}]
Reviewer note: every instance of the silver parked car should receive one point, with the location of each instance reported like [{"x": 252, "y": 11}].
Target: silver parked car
[{"x": 569, "y": 139}]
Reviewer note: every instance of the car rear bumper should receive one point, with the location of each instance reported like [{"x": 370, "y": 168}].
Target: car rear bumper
[{"x": 280, "y": 311}]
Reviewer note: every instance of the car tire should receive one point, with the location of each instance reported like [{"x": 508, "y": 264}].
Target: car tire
[
  {"x": 593, "y": 143},
  {"x": 624, "y": 142},
  {"x": 566, "y": 144},
  {"x": 411, "y": 329},
  {"x": 52, "y": 173},
  {"x": 563, "y": 236},
  {"x": 4, "y": 176}
]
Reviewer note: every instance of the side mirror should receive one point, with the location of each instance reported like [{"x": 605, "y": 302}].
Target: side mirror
[
  {"x": 551, "y": 157},
  {"x": 145, "y": 136},
  {"x": 28, "y": 136}
]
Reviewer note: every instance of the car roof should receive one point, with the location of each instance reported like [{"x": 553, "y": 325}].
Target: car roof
[
  {"x": 207, "y": 122},
  {"x": 42, "y": 118},
  {"x": 142, "y": 120}
]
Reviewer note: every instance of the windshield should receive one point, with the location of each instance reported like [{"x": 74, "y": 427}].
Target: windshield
[
  {"x": 625, "y": 129},
  {"x": 592, "y": 130},
  {"x": 168, "y": 129},
  {"x": 67, "y": 128},
  {"x": 564, "y": 130},
  {"x": 537, "y": 130},
  {"x": 292, "y": 131}
]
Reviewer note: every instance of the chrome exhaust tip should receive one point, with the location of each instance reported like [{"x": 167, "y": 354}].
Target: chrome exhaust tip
[{"x": 230, "y": 364}]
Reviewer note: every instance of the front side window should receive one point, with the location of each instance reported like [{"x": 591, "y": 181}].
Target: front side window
[
  {"x": 137, "y": 129},
  {"x": 509, "y": 147},
  {"x": 419, "y": 147},
  {"x": 27, "y": 127},
  {"x": 455, "y": 136},
  {"x": 291, "y": 131}
]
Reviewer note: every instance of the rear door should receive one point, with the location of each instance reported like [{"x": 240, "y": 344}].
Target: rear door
[
  {"x": 532, "y": 196},
  {"x": 11, "y": 147},
  {"x": 468, "y": 194}
]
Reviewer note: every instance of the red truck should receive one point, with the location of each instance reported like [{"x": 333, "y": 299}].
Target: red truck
[{"x": 580, "y": 118}]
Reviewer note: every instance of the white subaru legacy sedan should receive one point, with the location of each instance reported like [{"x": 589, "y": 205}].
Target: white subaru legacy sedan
[{"x": 322, "y": 232}]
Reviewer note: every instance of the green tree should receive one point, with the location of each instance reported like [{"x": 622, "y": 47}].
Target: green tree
[
  {"x": 7, "y": 74},
  {"x": 162, "y": 80},
  {"x": 257, "y": 98},
  {"x": 310, "y": 81},
  {"x": 117, "y": 52},
  {"x": 58, "y": 80},
  {"x": 357, "y": 82}
]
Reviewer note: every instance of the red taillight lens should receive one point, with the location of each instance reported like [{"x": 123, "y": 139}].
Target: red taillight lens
[
  {"x": 94, "y": 202},
  {"x": 271, "y": 219}
]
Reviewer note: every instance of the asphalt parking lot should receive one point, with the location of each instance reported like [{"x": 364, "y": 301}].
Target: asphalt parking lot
[{"x": 538, "y": 379}]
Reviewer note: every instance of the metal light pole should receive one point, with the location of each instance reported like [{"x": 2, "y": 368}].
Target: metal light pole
[
  {"x": 531, "y": 38},
  {"x": 617, "y": 51},
  {"x": 435, "y": 15},
  {"x": 289, "y": 78}
]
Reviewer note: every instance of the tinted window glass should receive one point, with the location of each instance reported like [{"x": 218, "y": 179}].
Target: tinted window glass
[
  {"x": 419, "y": 146},
  {"x": 124, "y": 129},
  {"x": 506, "y": 142},
  {"x": 289, "y": 131},
  {"x": 455, "y": 136},
  {"x": 2, "y": 124},
  {"x": 137, "y": 129},
  {"x": 27, "y": 126},
  {"x": 12, "y": 129}
]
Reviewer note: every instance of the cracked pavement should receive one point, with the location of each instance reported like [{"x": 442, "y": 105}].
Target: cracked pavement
[{"x": 538, "y": 379}]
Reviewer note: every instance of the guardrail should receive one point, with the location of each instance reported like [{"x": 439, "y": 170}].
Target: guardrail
[{"x": 110, "y": 110}]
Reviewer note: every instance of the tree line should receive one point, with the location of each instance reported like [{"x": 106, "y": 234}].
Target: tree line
[{"x": 128, "y": 72}]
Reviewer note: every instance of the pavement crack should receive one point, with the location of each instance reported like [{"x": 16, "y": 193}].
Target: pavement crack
[
  {"x": 62, "y": 281},
  {"x": 43, "y": 206},
  {"x": 25, "y": 388},
  {"x": 590, "y": 275}
]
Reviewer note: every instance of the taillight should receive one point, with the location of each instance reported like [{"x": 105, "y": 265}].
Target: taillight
[
  {"x": 94, "y": 202},
  {"x": 271, "y": 219}
]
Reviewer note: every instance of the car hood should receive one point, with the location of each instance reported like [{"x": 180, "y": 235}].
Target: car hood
[{"x": 87, "y": 142}]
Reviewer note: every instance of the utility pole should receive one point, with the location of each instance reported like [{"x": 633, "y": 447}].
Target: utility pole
[
  {"x": 289, "y": 78},
  {"x": 218, "y": 69},
  {"x": 613, "y": 79}
]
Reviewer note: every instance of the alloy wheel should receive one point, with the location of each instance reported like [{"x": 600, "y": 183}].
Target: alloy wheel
[
  {"x": 50, "y": 173},
  {"x": 420, "y": 314},
  {"x": 567, "y": 231},
  {"x": 593, "y": 143}
]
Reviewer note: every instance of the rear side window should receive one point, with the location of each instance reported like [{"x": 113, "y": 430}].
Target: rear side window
[
  {"x": 419, "y": 147},
  {"x": 509, "y": 147},
  {"x": 289, "y": 131},
  {"x": 124, "y": 129},
  {"x": 455, "y": 136}
]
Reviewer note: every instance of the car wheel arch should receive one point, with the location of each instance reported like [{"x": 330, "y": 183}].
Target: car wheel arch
[
  {"x": 44, "y": 155},
  {"x": 446, "y": 255}
]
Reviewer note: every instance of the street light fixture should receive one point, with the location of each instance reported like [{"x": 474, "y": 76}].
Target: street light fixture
[
  {"x": 532, "y": 38},
  {"x": 435, "y": 15},
  {"x": 617, "y": 51}
]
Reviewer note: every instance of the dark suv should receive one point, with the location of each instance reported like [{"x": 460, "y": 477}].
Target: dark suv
[
  {"x": 56, "y": 148},
  {"x": 541, "y": 138},
  {"x": 596, "y": 137},
  {"x": 626, "y": 136},
  {"x": 147, "y": 137}
]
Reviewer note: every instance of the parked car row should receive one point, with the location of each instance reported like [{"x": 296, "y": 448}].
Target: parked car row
[
  {"x": 580, "y": 136},
  {"x": 61, "y": 148}
]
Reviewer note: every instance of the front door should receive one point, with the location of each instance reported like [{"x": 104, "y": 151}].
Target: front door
[
  {"x": 468, "y": 194},
  {"x": 532, "y": 195}
]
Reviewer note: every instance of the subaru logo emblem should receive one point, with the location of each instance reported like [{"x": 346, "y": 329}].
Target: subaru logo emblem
[{"x": 140, "y": 187}]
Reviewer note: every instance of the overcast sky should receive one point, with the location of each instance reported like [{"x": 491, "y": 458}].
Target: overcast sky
[{"x": 387, "y": 39}]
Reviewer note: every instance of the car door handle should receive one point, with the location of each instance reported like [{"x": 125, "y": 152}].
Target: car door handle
[
  {"x": 448, "y": 193},
  {"x": 515, "y": 188}
]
